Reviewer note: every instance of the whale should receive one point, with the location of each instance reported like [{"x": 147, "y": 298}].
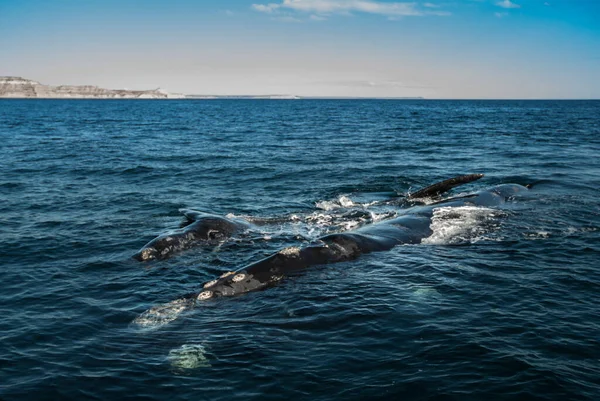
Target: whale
[
  {"x": 410, "y": 226},
  {"x": 199, "y": 228},
  {"x": 204, "y": 228}
]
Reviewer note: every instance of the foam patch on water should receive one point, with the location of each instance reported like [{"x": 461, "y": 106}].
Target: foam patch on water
[
  {"x": 455, "y": 225},
  {"x": 538, "y": 234},
  {"x": 383, "y": 216},
  {"x": 339, "y": 215},
  {"x": 319, "y": 221},
  {"x": 188, "y": 356},
  {"x": 160, "y": 315},
  {"x": 341, "y": 202},
  {"x": 347, "y": 219}
]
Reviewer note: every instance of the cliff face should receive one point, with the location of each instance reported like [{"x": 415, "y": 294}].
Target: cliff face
[{"x": 17, "y": 87}]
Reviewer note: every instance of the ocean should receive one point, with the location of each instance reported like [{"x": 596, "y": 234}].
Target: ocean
[{"x": 498, "y": 304}]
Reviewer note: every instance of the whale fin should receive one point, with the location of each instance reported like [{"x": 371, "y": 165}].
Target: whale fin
[
  {"x": 190, "y": 216},
  {"x": 444, "y": 186}
]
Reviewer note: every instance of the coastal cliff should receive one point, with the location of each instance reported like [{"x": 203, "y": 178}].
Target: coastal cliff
[{"x": 17, "y": 87}]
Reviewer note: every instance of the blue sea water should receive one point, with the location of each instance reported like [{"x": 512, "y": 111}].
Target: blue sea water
[{"x": 496, "y": 305}]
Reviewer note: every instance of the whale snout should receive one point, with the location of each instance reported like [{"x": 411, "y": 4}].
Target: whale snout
[{"x": 146, "y": 254}]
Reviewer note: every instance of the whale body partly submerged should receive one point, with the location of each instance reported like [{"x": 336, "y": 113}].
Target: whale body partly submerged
[
  {"x": 198, "y": 229},
  {"x": 411, "y": 226}
]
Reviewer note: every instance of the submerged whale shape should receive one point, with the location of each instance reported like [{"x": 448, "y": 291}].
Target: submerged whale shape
[{"x": 199, "y": 228}]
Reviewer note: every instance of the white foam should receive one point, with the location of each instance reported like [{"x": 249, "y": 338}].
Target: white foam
[
  {"x": 452, "y": 225},
  {"x": 538, "y": 234},
  {"x": 319, "y": 223},
  {"x": 574, "y": 230},
  {"x": 320, "y": 219},
  {"x": 160, "y": 315},
  {"x": 188, "y": 356},
  {"x": 345, "y": 201},
  {"x": 290, "y": 251},
  {"x": 382, "y": 216},
  {"x": 349, "y": 225},
  {"x": 342, "y": 201}
]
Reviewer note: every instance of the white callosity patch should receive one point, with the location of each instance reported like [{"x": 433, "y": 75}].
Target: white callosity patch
[
  {"x": 210, "y": 283},
  {"x": 291, "y": 251},
  {"x": 188, "y": 356},
  {"x": 452, "y": 225},
  {"x": 161, "y": 314},
  {"x": 238, "y": 277},
  {"x": 147, "y": 253},
  {"x": 204, "y": 295}
]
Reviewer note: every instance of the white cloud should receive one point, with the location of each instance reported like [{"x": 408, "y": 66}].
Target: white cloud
[
  {"x": 507, "y": 4},
  {"x": 325, "y": 7},
  {"x": 546, "y": 4},
  {"x": 266, "y": 8},
  {"x": 501, "y": 15},
  {"x": 366, "y": 6}
]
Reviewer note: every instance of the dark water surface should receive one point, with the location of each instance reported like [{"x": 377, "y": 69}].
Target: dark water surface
[{"x": 496, "y": 305}]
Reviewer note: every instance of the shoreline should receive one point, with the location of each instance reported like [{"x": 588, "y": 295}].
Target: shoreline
[{"x": 297, "y": 98}]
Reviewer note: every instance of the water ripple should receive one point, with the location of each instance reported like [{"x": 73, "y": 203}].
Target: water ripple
[{"x": 499, "y": 305}]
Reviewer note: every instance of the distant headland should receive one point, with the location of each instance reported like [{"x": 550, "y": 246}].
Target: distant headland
[{"x": 19, "y": 88}]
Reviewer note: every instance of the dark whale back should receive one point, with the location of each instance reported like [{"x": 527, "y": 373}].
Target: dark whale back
[
  {"x": 411, "y": 227},
  {"x": 201, "y": 227},
  {"x": 205, "y": 228}
]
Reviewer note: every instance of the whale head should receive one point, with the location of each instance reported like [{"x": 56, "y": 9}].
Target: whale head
[{"x": 146, "y": 254}]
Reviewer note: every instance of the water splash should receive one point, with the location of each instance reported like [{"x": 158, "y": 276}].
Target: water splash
[
  {"x": 341, "y": 202},
  {"x": 466, "y": 224}
]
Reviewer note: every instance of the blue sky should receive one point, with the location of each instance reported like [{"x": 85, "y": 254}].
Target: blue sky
[{"x": 360, "y": 48}]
